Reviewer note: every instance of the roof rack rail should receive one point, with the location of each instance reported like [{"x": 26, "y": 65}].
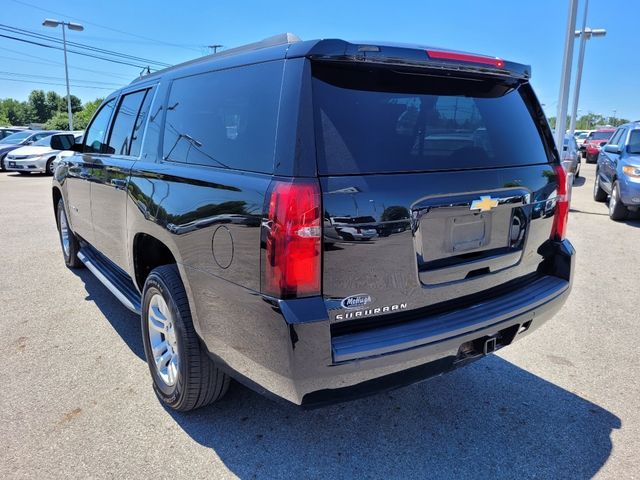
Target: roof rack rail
[
  {"x": 275, "y": 40},
  {"x": 280, "y": 39}
]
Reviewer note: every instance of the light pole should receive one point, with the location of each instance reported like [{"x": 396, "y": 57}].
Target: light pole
[
  {"x": 565, "y": 79},
  {"x": 48, "y": 22},
  {"x": 585, "y": 34}
]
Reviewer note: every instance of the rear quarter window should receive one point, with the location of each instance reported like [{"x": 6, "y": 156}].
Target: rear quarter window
[
  {"x": 225, "y": 118},
  {"x": 379, "y": 121}
]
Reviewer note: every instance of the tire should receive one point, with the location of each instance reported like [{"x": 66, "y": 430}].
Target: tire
[
  {"x": 617, "y": 209},
  {"x": 577, "y": 175},
  {"x": 49, "y": 168},
  {"x": 188, "y": 378},
  {"x": 68, "y": 241},
  {"x": 599, "y": 195}
]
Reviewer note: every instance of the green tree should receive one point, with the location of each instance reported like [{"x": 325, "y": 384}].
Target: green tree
[
  {"x": 38, "y": 103},
  {"x": 76, "y": 104},
  {"x": 53, "y": 103},
  {"x": 17, "y": 113},
  {"x": 60, "y": 121}
]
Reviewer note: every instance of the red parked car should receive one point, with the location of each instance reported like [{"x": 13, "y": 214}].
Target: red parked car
[{"x": 594, "y": 141}]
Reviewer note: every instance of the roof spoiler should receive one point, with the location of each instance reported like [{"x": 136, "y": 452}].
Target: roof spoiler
[{"x": 414, "y": 56}]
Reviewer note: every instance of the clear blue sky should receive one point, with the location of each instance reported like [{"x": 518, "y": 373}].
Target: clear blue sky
[{"x": 525, "y": 31}]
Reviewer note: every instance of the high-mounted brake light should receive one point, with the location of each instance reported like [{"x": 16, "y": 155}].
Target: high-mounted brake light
[
  {"x": 466, "y": 57},
  {"x": 292, "y": 260},
  {"x": 563, "y": 199}
]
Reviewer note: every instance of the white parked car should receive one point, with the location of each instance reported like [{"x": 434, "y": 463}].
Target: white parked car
[{"x": 39, "y": 156}]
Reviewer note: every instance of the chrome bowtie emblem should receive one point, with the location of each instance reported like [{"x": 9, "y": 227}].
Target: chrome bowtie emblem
[{"x": 484, "y": 204}]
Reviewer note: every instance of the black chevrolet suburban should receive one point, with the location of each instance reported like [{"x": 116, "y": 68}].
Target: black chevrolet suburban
[{"x": 320, "y": 220}]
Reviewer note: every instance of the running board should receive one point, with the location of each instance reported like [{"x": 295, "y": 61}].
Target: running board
[{"x": 118, "y": 282}]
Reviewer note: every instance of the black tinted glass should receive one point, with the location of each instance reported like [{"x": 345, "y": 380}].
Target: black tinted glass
[
  {"x": 95, "y": 134},
  {"x": 122, "y": 130},
  {"x": 226, "y": 118},
  {"x": 141, "y": 121},
  {"x": 379, "y": 120}
]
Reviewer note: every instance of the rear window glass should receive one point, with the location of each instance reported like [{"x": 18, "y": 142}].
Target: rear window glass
[
  {"x": 600, "y": 135},
  {"x": 225, "y": 118},
  {"x": 380, "y": 120}
]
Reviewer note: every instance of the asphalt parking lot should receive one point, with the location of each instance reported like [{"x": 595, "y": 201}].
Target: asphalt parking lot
[{"x": 77, "y": 399}]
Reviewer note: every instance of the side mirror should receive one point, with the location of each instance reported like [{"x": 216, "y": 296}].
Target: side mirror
[
  {"x": 615, "y": 149},
  {"x": 62, "y": 142},
  {"x": 76, "y": 147},
  {"x": 28, "y": 142}
]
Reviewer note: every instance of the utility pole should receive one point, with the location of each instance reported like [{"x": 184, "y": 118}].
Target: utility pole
[
  {"x": 565, "y": 79},
  {"x": 585, "y": 34},
  {"x": 215, "y": 48}
]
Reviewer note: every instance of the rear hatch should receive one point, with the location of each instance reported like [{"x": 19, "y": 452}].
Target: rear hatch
[{"x": 438, "y": 187}]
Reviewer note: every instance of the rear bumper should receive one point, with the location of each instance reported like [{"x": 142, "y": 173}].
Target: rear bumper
[{"x": 305, "y": 365}]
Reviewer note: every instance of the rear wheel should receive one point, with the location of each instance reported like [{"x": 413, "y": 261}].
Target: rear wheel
[
  {"x": 68, "y": 241},
  {"x": 184, "y": 377},
  {"x": 599, "y": 195},
  {"x": 617, "y": 209}
]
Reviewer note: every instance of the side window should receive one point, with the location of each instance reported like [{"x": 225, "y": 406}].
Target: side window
[
  {"x": 225, "y": 118},
  {"x": 95, "y": 134},
  {"x": 623, "y": 137},
  {"x": 141, "y": 121},
  {"x": 122, "y": 129},
  {"x": 616, "y": 136},
  {"x": 634, "y": 141}
]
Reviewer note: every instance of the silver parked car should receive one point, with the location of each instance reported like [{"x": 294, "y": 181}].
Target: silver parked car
[{"x": 570, "y": 156}]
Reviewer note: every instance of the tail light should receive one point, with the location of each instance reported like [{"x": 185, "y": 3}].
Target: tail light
[
  {"x": 293, "y": 243},
  {"x": 465, "y": 58},
  {"x": 563, "y": 198}
]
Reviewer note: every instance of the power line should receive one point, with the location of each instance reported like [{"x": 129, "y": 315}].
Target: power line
[
  {"x": 41, "y": 36},
  {"x": 72, "y": 51},
  {"x": 110, "y": 28},
  {"x": 71, "y": 67},
  {"x": 48, "y": 77},
  {"x": 50, "y": 83}
]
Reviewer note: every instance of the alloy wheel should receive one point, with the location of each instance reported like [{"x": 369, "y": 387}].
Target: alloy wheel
[
  {"x": 163, "y": 340},
  {"x": 64, "y": 233},
  {"x": 613, "y": 201}
]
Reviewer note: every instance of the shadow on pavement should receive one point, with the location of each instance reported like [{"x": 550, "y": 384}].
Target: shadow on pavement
[
  {"x": 491, "y": 419},
  {"x": 579, "y": 181},
  {"x": 488, "y": 420},
  {"x": 123, "y": 321}
]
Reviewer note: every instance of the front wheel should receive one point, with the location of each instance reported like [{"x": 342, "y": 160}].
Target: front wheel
[
  {"x": 617, "y": 209},
  {"x": 68, "y": 240},
  {"x": 184, "y": 377}
]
